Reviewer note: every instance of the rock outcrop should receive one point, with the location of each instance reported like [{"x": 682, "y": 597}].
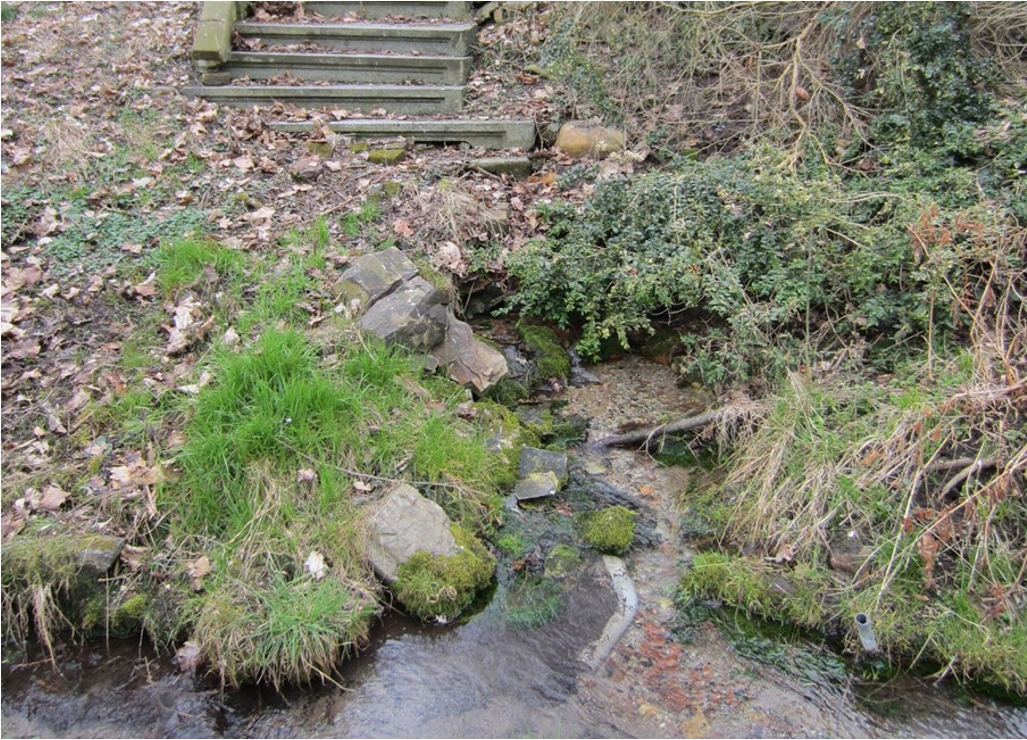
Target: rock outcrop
[{"x": 400, "y": 307}]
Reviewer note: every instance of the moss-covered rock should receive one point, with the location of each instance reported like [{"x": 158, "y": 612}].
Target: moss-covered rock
[
  {"x": 507, "y": 436},
  {"x": 562, "y": 560},
  {"x": 610, "y": 530},
  {"x": 441, "y": 587},
  {"x": 508, "y": 392},
  {"x": 550, "y": 357}
]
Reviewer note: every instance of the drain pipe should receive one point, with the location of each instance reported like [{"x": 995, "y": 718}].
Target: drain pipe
[{"x": 866, "y": 633}]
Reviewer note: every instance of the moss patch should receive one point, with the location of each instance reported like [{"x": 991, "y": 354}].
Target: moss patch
[
  {"x": 441, "y": 587},
  {"x": 550, "y": 357},
  {"x": 608, "y": 530}
]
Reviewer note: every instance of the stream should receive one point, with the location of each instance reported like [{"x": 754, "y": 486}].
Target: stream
[{"x": 490, "y": 677}]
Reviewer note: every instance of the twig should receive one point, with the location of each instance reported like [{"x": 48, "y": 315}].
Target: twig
[
  {"x": 962, "y": 475},
  {"x": 646, "y": 435}
]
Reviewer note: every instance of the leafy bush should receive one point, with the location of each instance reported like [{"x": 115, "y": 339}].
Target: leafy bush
[{"x": 765, "y": 255}]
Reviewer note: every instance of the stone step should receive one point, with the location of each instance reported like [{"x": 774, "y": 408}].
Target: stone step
[
  {"x": 401, "y": 99},
  {"x": 372, "y": 68},
  {"x": 444, "y": 39},
  {"x": 490, "y": 134},
  {"x": 415, "y": 9}
]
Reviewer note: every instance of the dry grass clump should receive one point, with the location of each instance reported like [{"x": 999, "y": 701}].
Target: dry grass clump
[{"x": 926, "y": 470}]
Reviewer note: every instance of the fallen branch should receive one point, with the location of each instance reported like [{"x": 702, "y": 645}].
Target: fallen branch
[{"x": 646, "y": 435}]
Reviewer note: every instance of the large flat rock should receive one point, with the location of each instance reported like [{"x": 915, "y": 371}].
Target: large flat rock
[
  {"x": 405, "y": 523},
  {"x": 373, "y": 276}
]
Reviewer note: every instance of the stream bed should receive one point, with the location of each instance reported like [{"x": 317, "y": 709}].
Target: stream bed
[{"x": 493, "y": 677}]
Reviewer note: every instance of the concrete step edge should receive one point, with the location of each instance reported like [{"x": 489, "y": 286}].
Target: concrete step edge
[{"x": 517, "y": 133}]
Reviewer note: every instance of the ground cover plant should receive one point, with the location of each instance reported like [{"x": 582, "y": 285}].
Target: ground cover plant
[{"x": 855, "y": 254}]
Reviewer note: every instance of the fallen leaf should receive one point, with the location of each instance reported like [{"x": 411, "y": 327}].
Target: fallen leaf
[
  {"x": 10, "y": 525},
  {"x": 306, "y": 475},
  {"x": 54, "y": 424},
  {"x": 134, "y": 556},
  {"x": 315, "y": 565},
  {"x": 197, "y": 570},
  {"x": 189, "y": 657},
  {"x": 401, "y": 227},
  {"x": 359, "y": 485},
  {"x": 785, "y": 554}
]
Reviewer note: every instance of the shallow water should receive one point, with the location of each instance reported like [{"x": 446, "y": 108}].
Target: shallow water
[{"x": 487, "y": 678}]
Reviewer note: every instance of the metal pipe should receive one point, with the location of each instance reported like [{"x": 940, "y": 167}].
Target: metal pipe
[{"x": 866, "y": 633}]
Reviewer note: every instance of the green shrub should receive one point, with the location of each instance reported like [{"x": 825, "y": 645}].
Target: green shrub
[{"x": 610, "y": 530}]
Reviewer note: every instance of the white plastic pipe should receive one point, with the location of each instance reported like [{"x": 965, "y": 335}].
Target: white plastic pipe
[{"x": 866, "y": 633}]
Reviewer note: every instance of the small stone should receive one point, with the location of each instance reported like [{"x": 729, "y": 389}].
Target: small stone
[
  {"x": 469, "y": 361},
  {"x": 305, "y": 169},
  {"x": 536, "y": 486},
  {"x": 580, "y": 140},
  {"x": 386, "y": 156},
  {"x": 516, "y": 167},
  {"x": 534, "y": 460}
]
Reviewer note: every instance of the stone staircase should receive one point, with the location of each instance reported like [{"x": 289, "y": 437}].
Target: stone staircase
[{"x": 355, "y": 57}]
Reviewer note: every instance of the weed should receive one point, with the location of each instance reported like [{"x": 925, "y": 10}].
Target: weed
[
  {"x": 93, "y": 241},
  {"x": 280, "y": 630},
  {"x": 531, "y": 602},
  {"x": 183, "y": 263}
]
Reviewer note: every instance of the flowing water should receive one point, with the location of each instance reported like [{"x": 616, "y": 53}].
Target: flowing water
[{"x": 491, "y": 678}]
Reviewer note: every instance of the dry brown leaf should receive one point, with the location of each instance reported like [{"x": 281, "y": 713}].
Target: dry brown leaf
[
  {"x": 134, "y": 556},
  {"x": 189, "y": 657}
]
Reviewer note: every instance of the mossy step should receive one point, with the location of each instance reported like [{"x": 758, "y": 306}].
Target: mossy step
[
  {"x": 401, "y": 99},
  {"x": 343, "y": 68},
  {"x": 446, "y": 39},
  {"x": 416, "y": 9},
  {"x": 494, "y": 134}
]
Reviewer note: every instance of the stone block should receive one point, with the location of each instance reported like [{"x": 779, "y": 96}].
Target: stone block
[
  {"x": 469, "y": 361},
  {"x": 536, "y": 486},
  {"x": 534, "y": 460},
  {"x": 412, "y": 316},
  {"x": 580, "y": 140},
  {"x": 373, "y": 276}
]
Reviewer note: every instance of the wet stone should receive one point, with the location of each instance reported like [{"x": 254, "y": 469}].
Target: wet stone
[
  {"x": 536, "y": 486},
  {"x": 534, "y": 460}
]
